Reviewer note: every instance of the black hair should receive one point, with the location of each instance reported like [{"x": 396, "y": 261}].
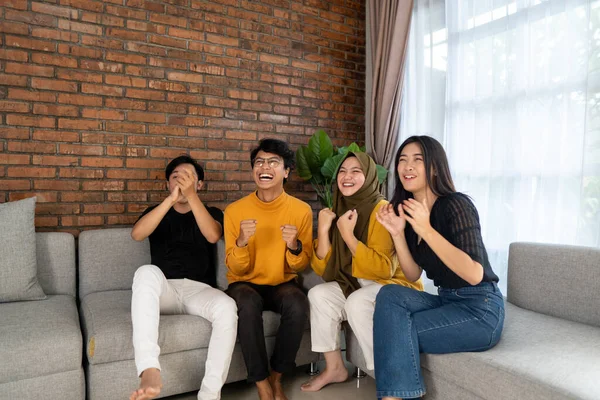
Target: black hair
[
  {"x": 184, "y": 160},
  {"x": 275, "y": 146},
  {"x": 435, "y": 160}
]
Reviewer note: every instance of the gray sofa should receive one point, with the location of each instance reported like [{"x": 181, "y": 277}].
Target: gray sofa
[
  {"x": 40, "y": 341},
  {"x": 550, "y": 347},
  {"x": 108, "y": 259}
]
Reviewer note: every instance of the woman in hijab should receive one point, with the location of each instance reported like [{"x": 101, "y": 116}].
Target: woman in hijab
[{"x": 356, "y": 257}]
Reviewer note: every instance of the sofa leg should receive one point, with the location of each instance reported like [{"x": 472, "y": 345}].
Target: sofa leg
[
  {"x": 359, "y": 373},
  {"x": 313, "y": 369}
]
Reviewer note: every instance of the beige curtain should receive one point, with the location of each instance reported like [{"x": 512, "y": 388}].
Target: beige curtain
[{"x": 388, "y": 27}]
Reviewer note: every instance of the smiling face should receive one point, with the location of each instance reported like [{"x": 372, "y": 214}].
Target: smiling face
[
  {"x": 411, "y": 168},
  {"x": 269, "y": 171},
  {"x": 350, "y": 177}
]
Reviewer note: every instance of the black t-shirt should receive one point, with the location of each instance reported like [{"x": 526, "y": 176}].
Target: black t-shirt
[
  {"x": 455, "y": 217},
  {"x": 180, "y": 250}
]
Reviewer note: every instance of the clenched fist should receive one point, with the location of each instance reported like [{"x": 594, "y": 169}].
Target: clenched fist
[
  {"x": 247, "y": 229},
  {"x": 289, "y": 234},
  {"x": 326, "y": 218}
]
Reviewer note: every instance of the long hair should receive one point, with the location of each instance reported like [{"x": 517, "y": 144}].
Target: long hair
[{"x": 435, "y": 161}]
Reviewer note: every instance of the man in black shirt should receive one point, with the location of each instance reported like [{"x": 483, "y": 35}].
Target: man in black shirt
[{"x": 181, "y": 280}]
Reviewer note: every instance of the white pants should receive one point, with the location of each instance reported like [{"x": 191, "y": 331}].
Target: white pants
[
  {"x": 329, "y": 307},
  {"x": 153, "y": 295}
]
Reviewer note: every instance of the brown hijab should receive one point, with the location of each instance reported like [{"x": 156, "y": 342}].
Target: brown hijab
[{"x": 339, "y": 266}]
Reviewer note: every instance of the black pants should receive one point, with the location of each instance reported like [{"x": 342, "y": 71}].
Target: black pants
[{"x": 286, "y": 299}]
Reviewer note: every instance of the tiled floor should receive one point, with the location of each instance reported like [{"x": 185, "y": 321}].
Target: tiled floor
[{"x": 352, "y": 389}]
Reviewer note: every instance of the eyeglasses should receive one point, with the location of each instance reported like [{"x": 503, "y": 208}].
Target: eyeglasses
[{"x": 273, "y": 162}]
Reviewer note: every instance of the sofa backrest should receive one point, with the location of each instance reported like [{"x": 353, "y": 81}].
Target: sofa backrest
[
  {"x": 56, "y": 262},
  {"x": 558, "y": 280},
  {"x": 108, "y": 259}
]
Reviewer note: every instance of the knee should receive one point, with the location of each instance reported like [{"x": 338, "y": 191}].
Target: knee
[
  {"x": 296, "y": 305},
  {"x": 317, "y": 294},
  {"x": 247, "y": 301},
  {"x": 227, "y": 310},
  {"x": 357, "y": 304},
  {"x": 147, "y": 274}
]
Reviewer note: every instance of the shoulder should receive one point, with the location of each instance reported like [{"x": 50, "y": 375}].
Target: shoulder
[
  {"x": 299, "y": 205},
  {"x": 377, "y": 207},
  {"x": 457, "y": 204},
  {"x": 238, "y": 205}
]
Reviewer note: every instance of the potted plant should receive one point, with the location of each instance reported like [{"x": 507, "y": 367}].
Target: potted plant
[{"x": 319, "y": 161}]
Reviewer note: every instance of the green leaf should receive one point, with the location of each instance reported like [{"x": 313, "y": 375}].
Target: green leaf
[
  {"x": 302, "y": 164},
  {"x": 320, "y": 146},
  {"x": 331, "y": 166},
  {"x": 352, "y": 148},
  {"x": 381, "y": 173}
]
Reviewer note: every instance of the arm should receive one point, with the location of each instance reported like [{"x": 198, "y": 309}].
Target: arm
[
  {"x": 237, "y": 258},
  {"x": 395, "y": 225},
  {"x": 210, "y": 228},
  {"x": 148, "y": 223},
  {"x": 373, "y": 260},
  {"x": 319, "y": 264},
  {"x": 453, "y": 257},
  {"x": 299, "y": 262}
]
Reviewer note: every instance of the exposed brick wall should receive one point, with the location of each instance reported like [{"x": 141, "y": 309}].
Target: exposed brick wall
[{"x": 97, "y": 96}]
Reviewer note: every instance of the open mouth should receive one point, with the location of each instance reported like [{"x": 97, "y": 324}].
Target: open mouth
[
  {"x": 347, "y": 184},
  {"x": 409, "y": 177},
  {"x": 265, "y": 177}
]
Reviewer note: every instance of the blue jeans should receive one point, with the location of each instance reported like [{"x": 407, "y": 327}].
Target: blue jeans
[{"x": 408, "y": 322}]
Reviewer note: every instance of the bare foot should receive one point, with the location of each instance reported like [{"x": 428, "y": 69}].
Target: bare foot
[
  {"x": 275, "y": 381},
  {"x": 150, "y": 385},
  {"x": 264, "y": 390},
  {"x": 330, "y": 375}
]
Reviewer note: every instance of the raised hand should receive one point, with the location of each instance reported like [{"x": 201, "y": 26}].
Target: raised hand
[
  {"x": 289, "y": 233},
  {"x": 187, "y": 182},
  {"x": 326, "y": 218},
  {"x": 417, "y": 215},
  {"x": 347, "y": 222},
  {"x": 247, "y": 230},
  {"x": 393, "y": 223},
  {"x": 175, "y": 195}
]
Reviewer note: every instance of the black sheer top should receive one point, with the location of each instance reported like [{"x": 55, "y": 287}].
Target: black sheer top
[{"x": 455, "y": 217}]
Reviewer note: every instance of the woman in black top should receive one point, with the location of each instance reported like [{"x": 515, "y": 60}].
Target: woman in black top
[{"x": 442, "y": 237}]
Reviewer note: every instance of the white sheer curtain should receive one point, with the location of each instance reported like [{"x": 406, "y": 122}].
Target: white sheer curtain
[{"x": 522, "y": 114}]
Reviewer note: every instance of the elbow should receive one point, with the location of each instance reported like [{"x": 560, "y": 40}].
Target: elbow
[
  {"x": 477, "y": 276},
  {"x": 135, "y": 235},
  {"x": 213, "y": 238}
]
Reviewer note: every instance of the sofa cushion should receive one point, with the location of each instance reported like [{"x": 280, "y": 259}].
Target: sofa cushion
[
  {"x": 106, "y": 318},
  {"x": 18, "y": 263},
  {"x": 39, "y": 338},
  {"x": 557, "y": 280},
  {"x": 56, "y": 270},
  {"x": 538, "y": 357}
]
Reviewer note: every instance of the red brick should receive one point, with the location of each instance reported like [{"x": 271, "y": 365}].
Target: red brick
[
  {"x": 101, "y": 66},
  {"x": 168, "y": 42},
  {"x": 13, "y": 55},
  {"x": 81, "y": 173},
  {"x": 53, "y": 84},
  {"x": 127, "y": 174},
  {"x": 79, "y": 124},
  {"x": 170, "y": 86},
  {"x": 147, "y": 141},
  {"x": 33, "y": 44},
  {"x": 14, "y": 159},
  {"x": 101, "y": 162},
  {"x": 166, "y": 130},
  {"x": 208, "y": 111},
  {"x": 27, "y": 69},
  {"x": 145, "y": 186},
  {"x": 13, "y": 184},
  {"x": 125, "y": 81},
  {"x": 79, "y": 99},
  {"x": 126, "y": 58},
  {"x": 47, "y": 33},
  {"x": 168, "y": 20},
  {"x": 171, "y": 63},
  {"x": 90, "y": 5},
  {"x": 30, "y": 172},
  {"x": 102, "y": 138},
  {"x": 102, "y": 90},
  {"x": 80, "y": 149},
  {"x": 185, "y": 98},
  {"x": 126, "y": 12},
  {"x": 102, "y": 19},
  {"x": 78, "y": 76},
  {"x": 144, "y": 94},
  {"x": 12, "y": 80},
  {"x": 122, "y": 219},
  {"x": 103, "y": 208},
  {"x": 146, "y": 49},
  {"x": 125, "y": 127},
  {"x": 146, "y": 117},
  {"x": 56, "y": 209},
  {"x": 101, "y": 42},
  {"x": 78, "y": 51},
  {"x": 81, "y": 197},
  {"x": 120, "y": 197},
  {"x": 82, "y": 220},
  {"x": 30, "y": 18},
  {"x": 11, "y": 106},
  {"x": 24, "y": 120},
  {"x": 46, "y": 221},
  {"x": 180, "y": 76},
  {"x": 125, "y": 103},
  {"x": 79, "y": 27},
  {"x": 104, "y": 185},
  {"x": 47, "y": 109},
  {"x": 189, "y": 121},
  {"x": 54, "y": 160},
  {"x": 49, "y": 59},
  {"x": 102, "y": 114}
]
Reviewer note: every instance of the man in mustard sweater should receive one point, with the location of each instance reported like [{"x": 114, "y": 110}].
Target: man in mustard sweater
[{"x": 268, "y": 237}]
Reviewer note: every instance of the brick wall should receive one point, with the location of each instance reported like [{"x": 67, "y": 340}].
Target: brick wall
[{"x": 97, "y": 96}]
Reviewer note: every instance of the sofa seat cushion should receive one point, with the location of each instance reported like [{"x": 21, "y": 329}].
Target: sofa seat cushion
[
  {"x": 39, "y": 338},
  {"x": 107, "y": 328},
  {"x": 538, "y": 357}
]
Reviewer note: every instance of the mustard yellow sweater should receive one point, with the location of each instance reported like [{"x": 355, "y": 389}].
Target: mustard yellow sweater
[
  {"x": 265, "y": 260},
  {"x": 375, "y": 260}
]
